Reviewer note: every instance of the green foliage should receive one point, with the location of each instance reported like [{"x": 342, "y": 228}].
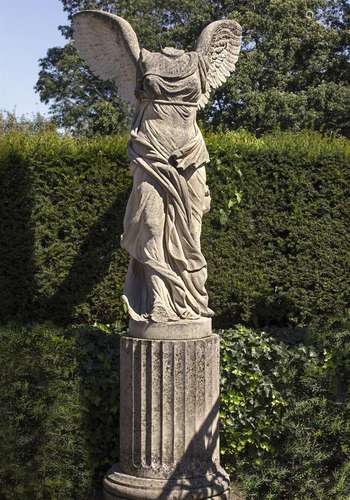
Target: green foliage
[
  {"x": 255, "y": 370},
  {"x": 310, "y": 457},
  {"x": 81, "y": 103},
  {"x": 62, "y": 205},
  {"x": 284, "y": 410},
  {"x": 58, "y": 411},
  {"x": 293, "y": 72},
  {"x": 283, "y": 248},
  {"x": 10, "y": 122},
  {"x": 279, "y": 221},
  {"x": 294, "y": 69}
]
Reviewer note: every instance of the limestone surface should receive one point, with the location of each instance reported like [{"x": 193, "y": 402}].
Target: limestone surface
[
  {"x": 169, "y": 408},
  {"x": 169, "y": 447},
  {"x": 162, "y": 226}
]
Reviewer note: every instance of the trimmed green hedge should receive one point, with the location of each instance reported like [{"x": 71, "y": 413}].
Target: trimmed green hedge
[
  {"x": 58, "y": 411},
  {"x": 285, "y": 413},
  {"x": 277, "y": 238},
  {"x": 309, "y": 456}
]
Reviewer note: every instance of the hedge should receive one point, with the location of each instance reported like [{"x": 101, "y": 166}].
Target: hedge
[
  {"x": 276, "y": 239},
  {"x": 285, "y": 413},
  {"x": 58, "y": 412}
]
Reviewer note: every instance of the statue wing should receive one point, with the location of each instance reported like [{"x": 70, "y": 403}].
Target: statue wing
[
  {"x": 219, "y": 44},
  {"x": 110, "y": 47}
]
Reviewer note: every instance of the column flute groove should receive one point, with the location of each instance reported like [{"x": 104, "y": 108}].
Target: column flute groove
[{"x": 169, "y": 430}]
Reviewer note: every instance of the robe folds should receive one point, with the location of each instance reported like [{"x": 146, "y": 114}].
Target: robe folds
[{"x": 162, "y": 225}]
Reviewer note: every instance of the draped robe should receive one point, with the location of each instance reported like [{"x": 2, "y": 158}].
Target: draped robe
[{"x": 162, "y": 225}]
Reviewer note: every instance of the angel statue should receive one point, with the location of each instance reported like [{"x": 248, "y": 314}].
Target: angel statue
[{"x": 162, "y": 225}]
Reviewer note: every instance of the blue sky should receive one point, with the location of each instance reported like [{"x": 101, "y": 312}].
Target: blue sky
[{"x": 27, "y": 29}]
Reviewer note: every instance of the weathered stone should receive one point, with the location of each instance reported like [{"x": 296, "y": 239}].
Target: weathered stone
[
  {"x": 169, "y": 439},
  {"x": 169, "y": 445},
  {"x": 180, "y": 330},
  {"x": 162, "y": 225}
]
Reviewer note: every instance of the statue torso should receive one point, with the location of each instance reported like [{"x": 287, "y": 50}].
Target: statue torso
[
  {"x": 170, "y": 75},
  {"x": 168, "y": 88}
]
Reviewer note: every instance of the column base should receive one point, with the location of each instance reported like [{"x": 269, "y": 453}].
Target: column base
[{"x": 119, "y": 486}]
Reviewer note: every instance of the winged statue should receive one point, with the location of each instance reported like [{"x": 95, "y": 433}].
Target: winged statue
[{"x": 162, "y": 224}]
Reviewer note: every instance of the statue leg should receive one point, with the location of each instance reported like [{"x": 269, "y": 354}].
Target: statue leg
[{"x": 153, "y": 222}]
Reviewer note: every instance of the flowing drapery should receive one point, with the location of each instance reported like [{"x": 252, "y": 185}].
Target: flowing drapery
[{"x": 167, "y": 271}]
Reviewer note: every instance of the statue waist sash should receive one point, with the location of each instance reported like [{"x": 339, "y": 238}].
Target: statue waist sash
[{"x": 170, "y": 103}]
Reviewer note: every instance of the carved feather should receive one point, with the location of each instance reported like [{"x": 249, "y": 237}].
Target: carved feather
[
  {"x": 110, "y": 47},
  {"x": 219, "y": 43}
]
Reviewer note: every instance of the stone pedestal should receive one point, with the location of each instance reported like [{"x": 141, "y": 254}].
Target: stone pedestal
[{"x": 169, "y": 437}]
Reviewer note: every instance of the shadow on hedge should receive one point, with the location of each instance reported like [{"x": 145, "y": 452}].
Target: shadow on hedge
[
  {"x": 90, "y": 266},
  {"x": 16, "y": 241},
  {"x": 97, "y": 357}
]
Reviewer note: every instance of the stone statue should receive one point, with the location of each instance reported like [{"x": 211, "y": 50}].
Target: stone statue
[
  {"x": 162, "y": 226},
  {"x": 169, "y": 358}
]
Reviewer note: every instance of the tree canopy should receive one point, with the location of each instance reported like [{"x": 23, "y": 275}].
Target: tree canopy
[
  {"x": 293, "y": 72},
  {"x": 10, "y": 122}
]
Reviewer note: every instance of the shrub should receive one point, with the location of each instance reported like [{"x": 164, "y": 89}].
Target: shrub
[
  {"x": 310, "y": 452},
  {"x": 280, "y": 229},
  {"x": 284, "y": 411},
  {"x": 58, "y": 411},
  {"x": 62, "y": 204},
  {"x": 256, "y": 371},
  {"x": 279, "y": 222}
]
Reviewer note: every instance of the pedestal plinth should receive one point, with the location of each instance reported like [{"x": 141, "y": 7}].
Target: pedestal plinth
[{"x": 169, "y": 409}]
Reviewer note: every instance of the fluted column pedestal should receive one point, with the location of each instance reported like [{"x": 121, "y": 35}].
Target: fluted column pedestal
[{"x": 169, "y": 438}]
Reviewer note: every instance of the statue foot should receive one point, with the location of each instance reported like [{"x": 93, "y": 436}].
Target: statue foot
[
  {"x": 162, "y": 315},
  {"x": 208, "y": 313}
]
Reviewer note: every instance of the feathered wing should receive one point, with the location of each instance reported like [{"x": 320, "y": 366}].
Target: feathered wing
[
  {"x": 219, "y": 44},
  {"x": 110, "y": 47}
]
